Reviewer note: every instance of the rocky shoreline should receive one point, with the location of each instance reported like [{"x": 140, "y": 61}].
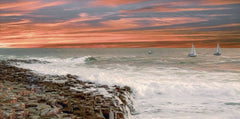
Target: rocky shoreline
[{"x": 24, "y": 94}]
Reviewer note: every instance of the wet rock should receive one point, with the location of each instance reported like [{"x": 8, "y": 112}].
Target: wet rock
[
  {"x": 43, "y": 106},
  {"x": 120, "y": 116},
  {"x": 63, "y": 103},
  {"x": 53, "y": 111},
  {"x": 30, "y": 104},
  {"x": 105, "y": 113},
  {"x": 35, "y": 117},
  {"x": 68, "y": 110},
  {"x": 72, "y": 76},
  {"x": 44, "y": 96},
  {"x": 66, "y": 88},
  {"x": 45, "y": 112},
  {"x": 127, "y": 88}
]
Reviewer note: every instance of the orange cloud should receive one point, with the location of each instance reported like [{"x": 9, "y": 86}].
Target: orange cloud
[
  {"x": 116, "y": 32},
  {"x": 17, "y": 4},
  {"x": 114, "y": 3},
  {"x": 23, "y": 21},
  {"x": 218, "y": 2},
  {"x": 174, "y": 6},
  {"x": 123, "y": 23},
  {"x": 130, "y": 23},
  {"x": 198, "y": 3},
  {"x": 23, "y": 8},
  {"x": 11, "y": 14},
  {"x": 178, "y": 3},
  {"x": 15, "y": 34},
  {"x": 29, "y": 5},
  {"x": 208, "y": 27},
  {"x": 176, "y": 20},
  {"x": 169, "y": 9},
  {"x": 112, "y": 33},
  {"x": 64, "y": 36},
  {"x": 82, "y": 17}
]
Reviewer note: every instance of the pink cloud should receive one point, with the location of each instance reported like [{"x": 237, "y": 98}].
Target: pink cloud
[
  {"x": 23, "y": 21},
  {"x": 129, "y": 23},
  {"x": 82, "y": 18},
  {"x": 169, "y": 9},
  {"x": 198, "y": 3},
  {"x": 218, "y": 2},
  {"x": 114, "y": 3},
  {"x": 65, "y": 36},
  {"x": 11, "y": 14},
  {"x": 29, "y": 5}
]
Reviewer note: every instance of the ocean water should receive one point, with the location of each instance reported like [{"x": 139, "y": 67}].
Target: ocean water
[{"x": 167, "y": 84}]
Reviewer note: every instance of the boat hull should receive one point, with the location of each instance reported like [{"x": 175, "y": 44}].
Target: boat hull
[
  {"x": 149, "y": 52},
  {"x": 217, "y": 54},
  {"x": 192, "y": 55}
]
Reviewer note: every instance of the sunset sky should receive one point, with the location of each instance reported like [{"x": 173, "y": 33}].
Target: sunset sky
[{"x": 119, "y": 23}]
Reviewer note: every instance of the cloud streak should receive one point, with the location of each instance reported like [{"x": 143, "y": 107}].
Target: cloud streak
[
  {"x": 218, "y": 2},
  {"x": 114, "y": 3},
  {"x": 29, "y": 5},
  {"x": 11, "y": 14},
  {"x": 170, "y": 9}
]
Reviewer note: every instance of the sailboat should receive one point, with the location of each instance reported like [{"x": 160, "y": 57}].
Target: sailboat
[
  {"x": 218, "y": 51},
  {"x": 193, "y": 52},
  {"x": 149, "y": 51}
]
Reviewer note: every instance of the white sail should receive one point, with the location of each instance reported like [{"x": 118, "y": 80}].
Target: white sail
[
  {"x": 193, "y": 52},
  {"x": 218, "y": 50}
]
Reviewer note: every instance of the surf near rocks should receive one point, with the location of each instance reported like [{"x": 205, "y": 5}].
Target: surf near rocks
[{"x": 54, "y": 96}]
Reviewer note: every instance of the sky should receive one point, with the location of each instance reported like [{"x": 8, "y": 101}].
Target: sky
[{"x": 119, "y": 23}]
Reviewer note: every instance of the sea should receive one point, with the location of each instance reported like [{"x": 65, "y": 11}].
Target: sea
[{"x": 166, "y": 84}]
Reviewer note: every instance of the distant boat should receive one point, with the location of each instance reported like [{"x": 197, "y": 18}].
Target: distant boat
[
  {"x": 193, "y": 52},
  {"x": 149, "y": 51},
  {"x": 218, "y": 51}
]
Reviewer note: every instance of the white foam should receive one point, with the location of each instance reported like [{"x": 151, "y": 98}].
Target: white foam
[{"x": 160, "y": 92}]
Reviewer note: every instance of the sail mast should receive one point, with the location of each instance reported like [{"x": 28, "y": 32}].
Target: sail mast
[
  {"x": 218, "y": 50},
  {"x": 193, "y": 52}
]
